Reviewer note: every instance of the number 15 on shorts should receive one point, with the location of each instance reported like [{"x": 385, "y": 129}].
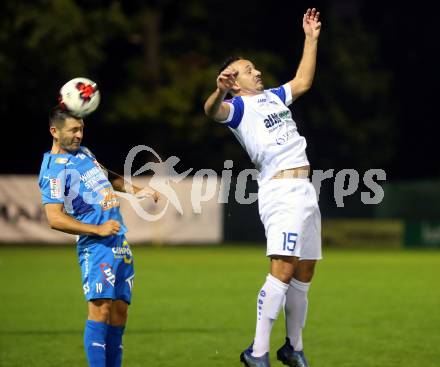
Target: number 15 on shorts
[{"x": 289, "y": 241}]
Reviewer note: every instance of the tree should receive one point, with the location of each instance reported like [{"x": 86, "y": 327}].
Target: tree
[{"x": 156, "y": 62}]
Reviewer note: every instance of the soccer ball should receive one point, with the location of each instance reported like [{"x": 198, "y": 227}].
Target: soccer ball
[{"x": 80, "y": 96}]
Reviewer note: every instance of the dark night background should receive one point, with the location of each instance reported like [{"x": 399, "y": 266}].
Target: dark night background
[{"x": 371, "y": 106}]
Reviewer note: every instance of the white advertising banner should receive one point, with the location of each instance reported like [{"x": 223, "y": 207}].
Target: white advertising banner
[{"x": 188, "y": 212}]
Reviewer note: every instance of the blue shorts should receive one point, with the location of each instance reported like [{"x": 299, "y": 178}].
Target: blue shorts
[{"x": 107, "y": 270}]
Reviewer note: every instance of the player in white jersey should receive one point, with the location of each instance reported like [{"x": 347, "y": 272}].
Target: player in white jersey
[{"x": 262, "y": 122}]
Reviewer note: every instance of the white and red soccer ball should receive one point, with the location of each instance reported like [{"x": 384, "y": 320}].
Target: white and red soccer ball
[{"x": 80, "y": 96}]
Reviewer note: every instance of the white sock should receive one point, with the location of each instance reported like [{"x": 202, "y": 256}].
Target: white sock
[
  {"x": 269, "y": 303},
  {"x": 296, "y": 312}
]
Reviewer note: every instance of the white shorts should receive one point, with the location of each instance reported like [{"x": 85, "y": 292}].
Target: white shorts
[{"x": 289, "y": 211}]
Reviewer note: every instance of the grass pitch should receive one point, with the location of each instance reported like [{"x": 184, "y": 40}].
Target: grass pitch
[{"x": 196, "y": 307}]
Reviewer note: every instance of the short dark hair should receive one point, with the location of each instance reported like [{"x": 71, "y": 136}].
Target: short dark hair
[
  {"x": 58, "y": 116},
  {"x": 228, "y": 62}
]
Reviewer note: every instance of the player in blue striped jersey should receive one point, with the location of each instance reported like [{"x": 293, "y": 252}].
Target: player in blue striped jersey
[{"x": 79, "y": 198}]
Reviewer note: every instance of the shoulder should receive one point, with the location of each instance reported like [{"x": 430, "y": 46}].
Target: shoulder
[
  {"x": 283, "y": 92},
  {"x": 87, "y": 152},
  {"x": 52, "y": 172},
  {"x": 53, "y": 163},
  {"x": 236, "y": 111}
]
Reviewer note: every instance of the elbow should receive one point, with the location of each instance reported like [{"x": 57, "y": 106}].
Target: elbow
[
  {"x": 305, "y": 85},
  {"x": 301, "y": 85},
  {"x": 308, "y": 84},
  {"x": 54, "y": 223},
  {"x": 207, "y": 110},
  {"x": 215, "y": 114},
  {"x": 210, "y": 109},
  {"x": 302, "y": 88},
  {"x": 118, "y": 184},
  {"x": 210, "y": 115}
]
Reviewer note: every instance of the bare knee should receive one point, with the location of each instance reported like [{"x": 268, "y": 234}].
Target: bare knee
[
  {"x": 283, "y": 267},
  {"x": 305, "y": 270},
  {"x": 99, "y": 310},
  {"x": 119, "y": 313}
]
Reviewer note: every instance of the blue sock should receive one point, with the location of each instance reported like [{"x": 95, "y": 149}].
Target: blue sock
[
  {"x": 94, "y": 342},
  {"x": 114, "y": 346}
]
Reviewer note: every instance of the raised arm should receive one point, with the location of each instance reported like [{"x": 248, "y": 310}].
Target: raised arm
[
  {"x": 303, "y": 79},
  {"x": 215, "y": 108},
  {"x": 120, "y": 184}
]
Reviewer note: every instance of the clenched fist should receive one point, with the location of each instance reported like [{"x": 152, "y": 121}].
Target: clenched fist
[
  {"x": 109, "y": 228},
  {"x": 226, "y": 79}
]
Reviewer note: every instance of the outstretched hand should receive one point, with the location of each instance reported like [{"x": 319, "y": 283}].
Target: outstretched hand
[
  {"x": 311, "y": 23},
  {"x": 226, "y": 79},
  {"x": 147, "y": 192}
]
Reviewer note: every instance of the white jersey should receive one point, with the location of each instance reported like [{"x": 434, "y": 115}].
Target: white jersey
[{"x": 264, "y": 126}]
